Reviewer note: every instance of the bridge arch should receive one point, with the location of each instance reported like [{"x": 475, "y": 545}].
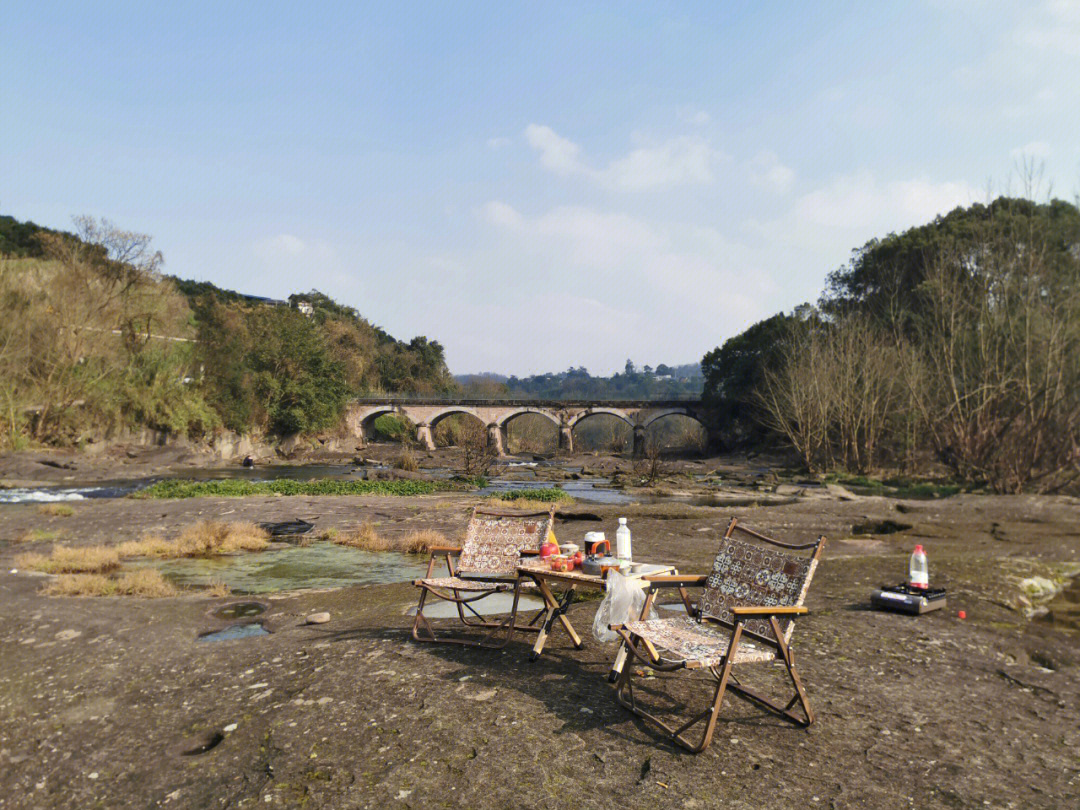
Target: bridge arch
[
  {"x": 506, "y": 417},
  {"x": 364, "y": 421},
  {"x": 658, "y": 415},
  {"x": 679, "y": 439},
  {"x": 435, "y": 418},
  {"x": 616, "y": 412}
]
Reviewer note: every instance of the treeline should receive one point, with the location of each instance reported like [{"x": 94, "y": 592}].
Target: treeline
[
  {"x": 955, "y": 344},
  {"x": 576, "y": 383},
  {"x": 95, "y": 339}
]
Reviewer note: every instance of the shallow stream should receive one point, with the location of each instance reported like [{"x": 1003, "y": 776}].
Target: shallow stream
[{"x": 319, "y": 565}]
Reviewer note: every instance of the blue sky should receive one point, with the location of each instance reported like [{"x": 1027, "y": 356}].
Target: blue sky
[{"x": 535, "y": 185}]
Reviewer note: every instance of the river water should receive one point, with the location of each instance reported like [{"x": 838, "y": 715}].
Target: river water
[{"x": 592, "y": 491}]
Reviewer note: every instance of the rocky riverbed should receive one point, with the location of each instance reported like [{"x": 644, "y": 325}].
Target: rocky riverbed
[{"x": 114, "y": 701}]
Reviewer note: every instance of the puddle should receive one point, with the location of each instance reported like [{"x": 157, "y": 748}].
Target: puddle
[
  {"x": 320, "y": 565},
  {"x": 495, "y": 604},
  {"x": 592, "y": 491},
  {"x": 234, "y": 631},
  {"x": 240, "y": 610},
  {"x": 195, "y": 746}
]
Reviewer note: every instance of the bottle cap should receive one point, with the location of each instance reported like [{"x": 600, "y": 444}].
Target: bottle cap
[
  {"x": 919, "y": 549},
  {"x": 622, "y": 520}
]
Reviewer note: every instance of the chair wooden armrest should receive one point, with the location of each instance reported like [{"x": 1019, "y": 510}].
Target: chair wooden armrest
[
  {"x": 776, "y": 610},
  {"x": 675, "y": 580},
  {"x": 437, "y": 550},
  {"x": 529, "y": 552}
]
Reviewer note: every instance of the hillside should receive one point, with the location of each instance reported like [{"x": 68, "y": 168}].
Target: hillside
[{"x": 96, "y": 340}]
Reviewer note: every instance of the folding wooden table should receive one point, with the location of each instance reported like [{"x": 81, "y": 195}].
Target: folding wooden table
[{"x": 539, "y": 571}]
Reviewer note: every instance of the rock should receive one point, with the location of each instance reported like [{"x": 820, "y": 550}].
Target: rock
[
  {"x": 843, "y": 493},
  {"x": 318, "y": 618},
  {"x": 789, "y": 489}
]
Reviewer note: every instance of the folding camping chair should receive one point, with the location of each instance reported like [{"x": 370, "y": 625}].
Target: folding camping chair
[
  {"x": 746, "y": 614},
  {"x": 486, "y": 564}
]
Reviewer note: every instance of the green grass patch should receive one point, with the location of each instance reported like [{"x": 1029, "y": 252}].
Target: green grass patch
[
  {"x": 898, "y": 487},
  {"x": 547, "y": 495},
  {"x": 238, "y": 489}
]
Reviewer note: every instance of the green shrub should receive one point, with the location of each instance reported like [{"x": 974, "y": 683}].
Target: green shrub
[
  {"x": 547, "y": 495},
  {"x": 392, "y": 428},
  {"x": 236, "y": 489}
]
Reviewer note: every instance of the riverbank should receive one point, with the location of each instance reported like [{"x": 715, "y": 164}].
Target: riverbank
[{"x": 112, "y": 700}]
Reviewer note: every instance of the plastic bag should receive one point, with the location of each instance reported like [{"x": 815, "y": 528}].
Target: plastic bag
[{"x": 623, "y": 601}]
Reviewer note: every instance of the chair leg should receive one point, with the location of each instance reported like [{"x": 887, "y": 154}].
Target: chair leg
[
  {"x": 624, "y": 694},
  {"x": 785, "y": 712},
  {"x": 495, "y": 630}
]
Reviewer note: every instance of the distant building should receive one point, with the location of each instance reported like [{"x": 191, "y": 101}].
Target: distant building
[{"x": 305, "y": 308}]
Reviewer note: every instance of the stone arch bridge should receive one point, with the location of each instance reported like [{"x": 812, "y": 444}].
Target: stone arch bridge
[{"x": 497, "y": 414}]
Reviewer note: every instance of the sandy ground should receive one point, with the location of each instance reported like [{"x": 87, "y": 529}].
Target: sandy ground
[{"x": 103, "y": 700}]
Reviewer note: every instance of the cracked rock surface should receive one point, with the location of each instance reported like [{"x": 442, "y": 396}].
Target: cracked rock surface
[{"x": 112, "y": 703}]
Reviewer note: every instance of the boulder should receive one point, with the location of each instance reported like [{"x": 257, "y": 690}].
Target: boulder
[{"x": 317, "y": 618}]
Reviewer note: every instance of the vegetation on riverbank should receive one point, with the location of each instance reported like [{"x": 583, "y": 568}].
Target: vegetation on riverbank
[
  {"x": 95, "y": 340},
  {"x": 545, "y": 495},
  {"x": 952, "y": 346},
  {"x": 366, "y": 537},
  {"x": 145, "y": 582},
  {"x": 231, "y": 488}
]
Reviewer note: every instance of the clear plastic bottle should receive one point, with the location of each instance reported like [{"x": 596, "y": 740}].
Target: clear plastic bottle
[
  {"x": 622, "y": 542},
  {"x": 918, "y": 572}
]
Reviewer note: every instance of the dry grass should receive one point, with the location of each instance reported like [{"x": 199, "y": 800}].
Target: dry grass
[
  {"x": 406, "y": 461},
  {"x": 72, "y": 560},
  {"x": 205, "y": 539},
  {"x": 36, "y": 535},
  {"x": 367, "y": 537},
  {"x": 421, "y": 542},
  {"x": 56, "y": 510},
  {"x": 145, "y": 582},
  {"x": 219, "y": 589}
]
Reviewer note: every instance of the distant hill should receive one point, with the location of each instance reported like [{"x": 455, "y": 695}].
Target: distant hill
[{"x": 633, "y": 383}]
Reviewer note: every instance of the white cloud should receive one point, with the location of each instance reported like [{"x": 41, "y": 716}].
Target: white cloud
[
  {"x": 676, "y": 162},
  {"x": 498, "y": 142},
  {"x": 1038, "y": 150},
  {"x": 1057, "y": 28},
  {"x": 767, "y": 170},
  {"x": 860, "y": 202},
  {"x": 274, "y": 247},
  {"x": 556, "y": 152},
  {"x": 691, "y": 278}
]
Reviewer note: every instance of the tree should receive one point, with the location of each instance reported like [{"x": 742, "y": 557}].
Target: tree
[{"x": 734, "y": 371}]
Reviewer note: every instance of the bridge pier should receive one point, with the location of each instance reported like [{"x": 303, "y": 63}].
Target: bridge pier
[
  {"x": 639, "y": 441},
  {"x": 495, "y": 438},
  {"x": 424, "y": 437},
  {"x": 566, "y": 439}
]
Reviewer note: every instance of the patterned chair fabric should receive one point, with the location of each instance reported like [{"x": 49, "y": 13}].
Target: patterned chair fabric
[
  {"x": 749, "y": 574},
  {"x": 493, "y": 543},
  {"x": 472, "y": 585},
  {"x": 699, "y": 645}
]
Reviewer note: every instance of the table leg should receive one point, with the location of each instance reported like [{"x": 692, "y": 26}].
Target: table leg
[
  {"x": 574, "y": 637},
  {"x": 555, "y": 609},
  {"x": 549, "y": 617}
]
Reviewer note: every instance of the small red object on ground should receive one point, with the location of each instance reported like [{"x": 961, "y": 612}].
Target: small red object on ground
[{"x": 961, "y": 614}]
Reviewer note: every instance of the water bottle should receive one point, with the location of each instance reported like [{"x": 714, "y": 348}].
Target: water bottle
[
  {"x": 918, "y": 574},
  {"x": 622, "y": 542}
]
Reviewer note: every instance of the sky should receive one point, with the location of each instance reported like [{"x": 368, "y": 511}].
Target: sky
[{"x": 534, "y": 185}]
